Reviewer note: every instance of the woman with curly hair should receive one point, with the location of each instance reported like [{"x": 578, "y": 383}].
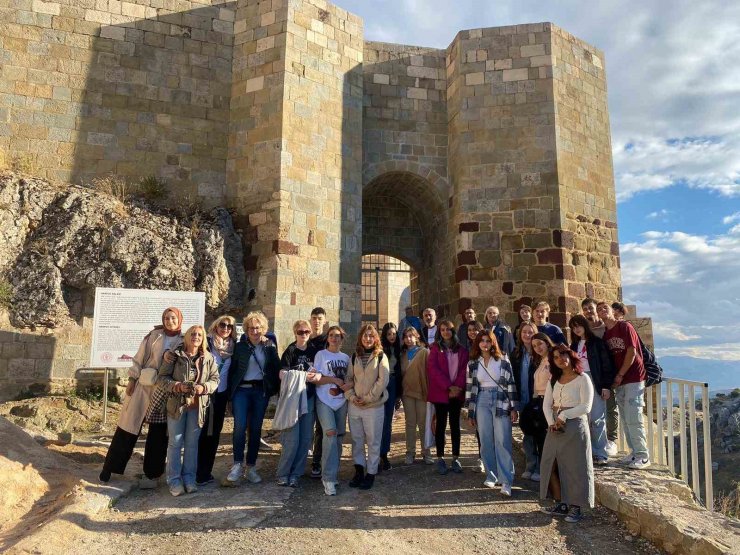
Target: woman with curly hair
[{"x": 566, "y": 467}]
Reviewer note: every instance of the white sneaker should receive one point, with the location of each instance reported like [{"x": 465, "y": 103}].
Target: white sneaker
[
  {"x": 629, "y": 459},
  {"x": 409, "y": 459},
  {"x": 329, "y": 487},
  {"x": 177, "y": 490},
  {"x": 428, "y": 458},
  {"x": 252, "y": 476},
  {"x": 535, "y": 477},
  {"x": 191, "y": 488},
  {"x": 611, "y": 449},
  {"x": 235, "y": 473},
  {"x": 506, "y": 490},
  {"x": 639, "y": 464},
  {"x": 481, "y": 467},
  {"x": 526, "y": 474},
  {"x": 490, "y": 483}
]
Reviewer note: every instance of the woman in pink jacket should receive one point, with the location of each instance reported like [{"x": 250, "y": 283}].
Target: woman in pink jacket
[{"x": 446, "y": 371}]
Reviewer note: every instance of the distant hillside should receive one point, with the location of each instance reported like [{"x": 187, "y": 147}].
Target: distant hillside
[{"x": 720, "y": 374}]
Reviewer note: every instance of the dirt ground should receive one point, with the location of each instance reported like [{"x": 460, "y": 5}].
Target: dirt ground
[{"x": 410, "y": 509}]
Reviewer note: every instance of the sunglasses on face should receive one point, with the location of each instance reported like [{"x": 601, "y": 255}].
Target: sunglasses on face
[
  {"x": 225, "y": 326},
  {"x": 303, "y": 332}
]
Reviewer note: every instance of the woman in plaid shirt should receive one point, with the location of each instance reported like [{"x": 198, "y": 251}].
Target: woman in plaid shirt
[{"x": 493, "y": 404}]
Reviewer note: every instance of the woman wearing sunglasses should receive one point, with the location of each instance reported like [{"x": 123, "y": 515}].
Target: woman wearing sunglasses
[
  {"x": 221, "y": 341},
  {"x": 566, "y": 467},
  {"x": 296, "y": 441}
]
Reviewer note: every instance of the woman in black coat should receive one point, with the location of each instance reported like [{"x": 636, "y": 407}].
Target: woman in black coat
[{"x": 597, "y": 364}]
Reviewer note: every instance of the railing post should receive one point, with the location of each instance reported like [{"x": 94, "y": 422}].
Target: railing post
[
  {"x": 671, "y": 436},
  {"x": 708, "y": 485},
  {"x": 661, "y": 437},
  {"x": 682, "y": 410},
  {"x": 694, "y": 444},
  {"x": 105, "y": 396},
  {"x": 650, "y": 431}
]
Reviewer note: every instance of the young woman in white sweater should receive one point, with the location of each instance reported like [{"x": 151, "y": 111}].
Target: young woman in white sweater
[{"x": 566, "y": 467}]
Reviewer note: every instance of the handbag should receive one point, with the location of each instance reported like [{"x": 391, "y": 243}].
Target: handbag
[
  {"x": 532, "y": 420},
  {"x": 148, "y": 376}
]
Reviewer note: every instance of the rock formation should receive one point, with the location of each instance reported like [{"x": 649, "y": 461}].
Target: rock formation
[{"x": 58, "y": 244}]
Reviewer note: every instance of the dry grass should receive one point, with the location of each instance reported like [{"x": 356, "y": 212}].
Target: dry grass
[
  {"x": 728, "y": 503},
  {"x": 24, "y": 162}
]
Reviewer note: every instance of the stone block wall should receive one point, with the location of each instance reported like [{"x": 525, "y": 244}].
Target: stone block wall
[
  {"x": 405, "y": 162},
  {"x": 36, "y": 362},
  {"x": 503, "y": 164},
  {"x": 587, "y": 207},
  {"x": 90, "y": 88},
  {"x": 296, "y": 155}
]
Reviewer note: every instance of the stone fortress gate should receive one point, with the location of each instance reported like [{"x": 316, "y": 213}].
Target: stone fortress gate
[{"x": 485, "y": 166}]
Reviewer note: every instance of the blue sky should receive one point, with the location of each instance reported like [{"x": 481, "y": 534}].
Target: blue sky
[{"x": 673, "y": 71}]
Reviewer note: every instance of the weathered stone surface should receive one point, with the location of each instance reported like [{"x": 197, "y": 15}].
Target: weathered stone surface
[{"x": 75, "y": 239}]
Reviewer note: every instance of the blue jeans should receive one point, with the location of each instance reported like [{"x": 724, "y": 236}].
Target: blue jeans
[
  {"x": 530, "y": 455},
  {"x": 333, "y": 422},
  {"x": 495, "y": 439},
  {"x": 248, "y": 405},
  {"x": 385, "y": 442},
  {"x": 630, "y": 400},
  {"x": 597, "y": 424},
  {"x": 295, "y": 442},
  {"x": 183, "y": 432}
]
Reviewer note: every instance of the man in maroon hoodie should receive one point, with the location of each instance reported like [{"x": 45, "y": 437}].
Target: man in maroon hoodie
[{"x": 629, "y": 383}]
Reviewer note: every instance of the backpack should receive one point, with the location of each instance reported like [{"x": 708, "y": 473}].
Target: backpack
[{"x": 653, "y": 370}]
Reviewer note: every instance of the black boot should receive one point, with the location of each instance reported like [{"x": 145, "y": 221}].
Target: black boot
[
  {"x": 385, "y": 464},
  {"x": 368, "y": 482},
  {"x": 359, "y": 477},
  {"x": 104, "y": 475}
]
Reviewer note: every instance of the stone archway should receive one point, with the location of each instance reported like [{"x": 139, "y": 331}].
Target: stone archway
[{"x": 404, "y": 216}]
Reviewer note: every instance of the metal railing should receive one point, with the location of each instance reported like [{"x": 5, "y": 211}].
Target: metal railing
[{"x": 661, "y": 434}]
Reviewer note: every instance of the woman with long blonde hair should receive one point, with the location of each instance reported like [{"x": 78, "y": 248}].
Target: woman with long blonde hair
[{"x": 190, "y": 378}]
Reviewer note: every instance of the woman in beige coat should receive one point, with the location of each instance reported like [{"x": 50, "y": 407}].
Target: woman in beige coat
[
  {"x": 190, "y": 378},
  {"x": 369, "y": 375},
  {"x": 142, "y": 377},
  {"x": 414, "y": 372}
]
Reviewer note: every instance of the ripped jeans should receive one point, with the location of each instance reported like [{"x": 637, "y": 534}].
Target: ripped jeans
[{"x": 334, "y": 424}]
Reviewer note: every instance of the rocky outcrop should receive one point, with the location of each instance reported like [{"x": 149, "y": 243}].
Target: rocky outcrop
[
  {"x": 58, "y": 244},
  {"x": 725, "y": 411}
]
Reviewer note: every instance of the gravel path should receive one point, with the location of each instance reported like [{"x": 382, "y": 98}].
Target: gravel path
[{"x": 410, "y": 510}]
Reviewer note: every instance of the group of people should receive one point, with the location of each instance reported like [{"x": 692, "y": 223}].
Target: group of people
[{"x": 482, "y": 373}]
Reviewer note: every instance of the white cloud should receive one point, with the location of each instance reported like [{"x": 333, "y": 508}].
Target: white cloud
[
  {"x": 719, "y": 351},
  {"x": 661, "y": 215},
  {"x": 652, "y": 163},
  {"x": 690, "y": 286},
  {"x": 732, "y": 218}
]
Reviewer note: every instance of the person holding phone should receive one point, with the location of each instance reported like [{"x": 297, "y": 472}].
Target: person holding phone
[
  {"x": 331, "y": 404},
  {"x": 190, "y": 379}
]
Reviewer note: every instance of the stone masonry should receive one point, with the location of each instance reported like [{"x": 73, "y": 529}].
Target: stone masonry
[{"x": 486, "y": 166}]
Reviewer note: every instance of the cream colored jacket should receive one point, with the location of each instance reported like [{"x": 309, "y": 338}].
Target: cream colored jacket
[{"x": 370, "y": 381}]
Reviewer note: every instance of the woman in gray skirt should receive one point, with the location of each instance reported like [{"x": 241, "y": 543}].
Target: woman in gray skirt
[{"x": 566, "y": 468}]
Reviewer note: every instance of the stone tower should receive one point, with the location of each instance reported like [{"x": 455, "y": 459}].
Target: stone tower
[{"x": 485, "y": 166}]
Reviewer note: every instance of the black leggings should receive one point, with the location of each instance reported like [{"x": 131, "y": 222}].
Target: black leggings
[{"x": 442, "y": 410}]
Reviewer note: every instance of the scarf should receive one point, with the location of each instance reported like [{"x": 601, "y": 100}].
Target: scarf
[
  {"x": 177, "y": 312},
  {"x": 224, "y": 347}
]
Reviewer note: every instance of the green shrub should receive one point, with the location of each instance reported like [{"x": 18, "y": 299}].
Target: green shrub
[
  {"x": 6, "y": 293},
  {"x": 152, "y": 188}
]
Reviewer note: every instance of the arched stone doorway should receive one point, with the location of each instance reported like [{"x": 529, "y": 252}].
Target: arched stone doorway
[{"x": 404, "y": 217}]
